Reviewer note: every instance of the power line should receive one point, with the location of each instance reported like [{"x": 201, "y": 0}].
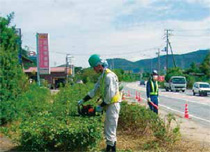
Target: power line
[
  {"x": 182, "y": 30},
  {"x": 193, "y": 36},
  {"x": 108, "y": 54}
]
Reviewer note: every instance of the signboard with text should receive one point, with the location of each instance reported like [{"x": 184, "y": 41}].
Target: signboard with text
[
  {"x": 43, "y": 53},
  {"x": 161, "y": 78}
]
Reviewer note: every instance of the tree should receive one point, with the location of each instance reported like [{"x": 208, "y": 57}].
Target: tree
[
  {"x": 87, "y": 75},
  {"x": 119, "y": 73},
  {"x": 12, "y": 78},
  {"x": 173, "y": 72},
  {"x": 205, "y": 66}
]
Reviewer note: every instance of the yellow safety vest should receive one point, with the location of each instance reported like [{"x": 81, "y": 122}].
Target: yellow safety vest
[
  {"x": 154, "y": 91},
  {"x": 116, "y": 97}
]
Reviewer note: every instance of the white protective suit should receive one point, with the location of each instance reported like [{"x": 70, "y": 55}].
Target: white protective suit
[{"x": 112, "y": 109}]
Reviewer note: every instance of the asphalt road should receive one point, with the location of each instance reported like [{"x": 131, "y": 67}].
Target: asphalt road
[{"x": 174, "y": 102}]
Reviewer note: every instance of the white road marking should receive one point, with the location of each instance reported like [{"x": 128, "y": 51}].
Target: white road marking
[
  {"x": 162, "y": 95},
  {"x": 185, "y": 100},
  {"x": 182, "y": 112}
]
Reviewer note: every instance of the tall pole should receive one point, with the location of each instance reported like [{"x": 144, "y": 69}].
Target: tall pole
[
  {"x": 67, "y": 66},
  {"x": 167, "y": 34},
  {"x": 37, "y": 59},
  {"x": 72, "y": 65},
  {"x": 167, "y": 49},
  {"x": 172, "y": 55},
  {"x": 158, "y": 53},
  {"x": 19, "y": 41}
]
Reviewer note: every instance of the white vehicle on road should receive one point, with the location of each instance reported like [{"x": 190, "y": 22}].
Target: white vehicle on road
[
  {"x": 201, "y": 88},
  {"x": 176, "y": 83}
]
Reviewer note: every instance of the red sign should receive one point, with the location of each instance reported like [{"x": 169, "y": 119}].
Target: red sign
[
  {"x": 31, "y": 53},
  {"x": 43, "y": 53},
  {"x": 161, "y": 78}
]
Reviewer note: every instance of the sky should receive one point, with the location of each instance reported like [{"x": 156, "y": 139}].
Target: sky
[{"x": 130, "y": 29}]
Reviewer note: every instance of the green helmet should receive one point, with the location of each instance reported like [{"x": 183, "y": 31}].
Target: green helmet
[{"x": 94, "y": 60}]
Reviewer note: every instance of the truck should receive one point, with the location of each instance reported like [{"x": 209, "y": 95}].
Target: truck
[{"x": 176, "y": 83}]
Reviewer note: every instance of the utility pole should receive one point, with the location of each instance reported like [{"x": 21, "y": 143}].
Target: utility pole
[
  {"x": 67, "y": 66},
  {"x": 168, "y": 44},
  {"x": 172, "y": 55},
  {"x": 158, "y": 53},
  {"x": 18, "y": 31},
  {"x": 70, "y": 66},
  {"x": 166, "y": 48}
]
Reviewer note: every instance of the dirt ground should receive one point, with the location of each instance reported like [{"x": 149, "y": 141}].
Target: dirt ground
[{"x": 5, "y": 144}]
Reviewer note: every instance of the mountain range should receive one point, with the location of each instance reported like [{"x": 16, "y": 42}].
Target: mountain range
[{"x": 146, "y": 65}]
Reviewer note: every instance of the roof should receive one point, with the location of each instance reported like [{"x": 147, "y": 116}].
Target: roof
[
  {"x": 25, "y": 59},
  {"x": 52, "y": 69}
]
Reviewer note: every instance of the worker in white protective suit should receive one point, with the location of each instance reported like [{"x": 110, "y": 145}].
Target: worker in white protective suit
[{"x": 107, "y": 87}]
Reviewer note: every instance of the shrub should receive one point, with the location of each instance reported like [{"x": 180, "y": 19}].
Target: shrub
[
  {"x": 139, "y": 121},
  {"x": 8, "y": 112},
  {"x": 47, "y": 126},
  {"x": 33, "y": 101},
  {"x": 46, "y": 133},
  {"x": 27, "y": 104},
  {"x": 13, "y": 81},
  {"x": 12, "y": 78}
]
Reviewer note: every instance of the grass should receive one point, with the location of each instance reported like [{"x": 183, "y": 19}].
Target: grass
[{"x": 130, "y": 143}]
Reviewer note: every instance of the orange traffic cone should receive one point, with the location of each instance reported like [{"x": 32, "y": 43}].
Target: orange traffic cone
[
  {"x": 139, "y": 98},
  {"x": 137, "y": 95},
  {"x": 129, "y": 93},
  {"x": 123, "y": 95},
  {"x": 186, "y": 114}
]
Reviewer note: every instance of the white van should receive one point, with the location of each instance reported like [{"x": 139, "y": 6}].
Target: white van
[{"x": 201, "y": 88}]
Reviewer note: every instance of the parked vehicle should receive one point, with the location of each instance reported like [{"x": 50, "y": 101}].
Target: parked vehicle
[
  {"x": 201, "y": 88},
  {"x": 176, "y": 83}
]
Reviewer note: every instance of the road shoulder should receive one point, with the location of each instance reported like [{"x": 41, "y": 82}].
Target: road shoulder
[{"x": 190, "y": 130}]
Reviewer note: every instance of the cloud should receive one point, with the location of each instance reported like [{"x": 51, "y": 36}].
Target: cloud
[
  {"x": 130, "y": 29},
  {"x": 162, "y": 11}
]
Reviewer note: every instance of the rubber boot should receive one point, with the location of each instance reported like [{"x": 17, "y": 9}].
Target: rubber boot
[
  {"x": 108, "y": 148},
  {"x": 114, "y": 147}
]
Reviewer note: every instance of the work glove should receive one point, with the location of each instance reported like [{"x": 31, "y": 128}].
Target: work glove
[
  {"x": 103, "y": 104},
  {"x": 80, "y": 102},
  {"x": 148, "y": 100},
  {"x": 99, "y": 108}
]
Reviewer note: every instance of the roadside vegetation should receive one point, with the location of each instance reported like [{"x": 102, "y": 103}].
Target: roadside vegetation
[
  {"x": 38, "y": 121},
  {"x": 194, "y": 73},
  {"x": 46, "y": 123}
]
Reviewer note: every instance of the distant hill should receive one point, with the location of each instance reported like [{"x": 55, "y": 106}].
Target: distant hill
[{"x": 183, "y": 61}]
